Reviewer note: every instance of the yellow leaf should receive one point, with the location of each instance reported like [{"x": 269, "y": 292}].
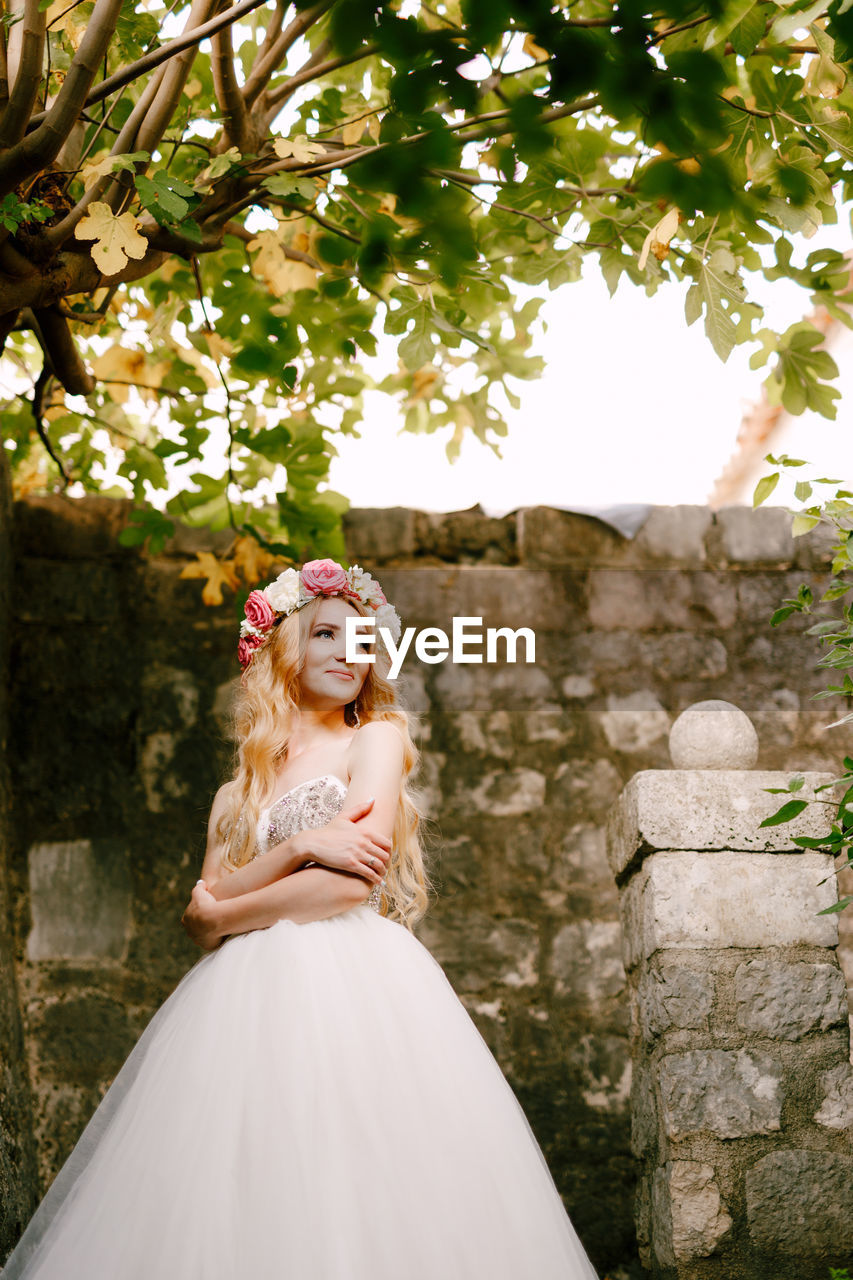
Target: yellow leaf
[
  {"x": 219, "y": 574},
  {"x": 281, "y": 274},
  {"x": 825, "y": 78},
  {"x": 29, "y": 477},
  {"x": 62, "y": 17},
  {"x": 90, "y": 173},
  {"x": 300, "y": 149},
  {"x": 116, "y": 237},
  {"x": 374, "y": 125},
  {"x": 352, "y": 132},
  {"x": 252, "y": 560},
  {"x": 193, "y": 88},
  {"x": 657, "y": 241},
  {"x": 534, "y": 50},
  {"x": 118, "y": 365},
  {"x": 220, "y": 348},
  {"x": 423, "y": 380}
]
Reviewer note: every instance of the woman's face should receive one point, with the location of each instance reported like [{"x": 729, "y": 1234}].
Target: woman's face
[{"x": 326, "y": 678}]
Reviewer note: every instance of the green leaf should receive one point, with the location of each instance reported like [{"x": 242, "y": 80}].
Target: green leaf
[
  {"x": 785, "y": 814},
  {"x": 764, "y": 488},
  {"x": 803, "y": 524},
  {"x": 416, "y": 349},
  {"x": 841, "y": 905},
  {"x": 720, "y": 292}
]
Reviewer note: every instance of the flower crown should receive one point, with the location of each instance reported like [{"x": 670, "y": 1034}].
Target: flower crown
[{"x": 294, "y": 588}]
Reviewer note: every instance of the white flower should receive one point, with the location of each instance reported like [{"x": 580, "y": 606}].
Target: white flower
[
  {"x": 387, "y": 616},
  {"x": 365, "y": 586},
  {"x": 246, "y": 629},
  {"x": 283, "y": 594}
]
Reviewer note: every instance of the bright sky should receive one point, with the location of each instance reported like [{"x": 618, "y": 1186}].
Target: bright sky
[{"x": 634, "y": 406}]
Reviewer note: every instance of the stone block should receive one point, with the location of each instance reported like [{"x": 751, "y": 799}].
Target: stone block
[
  {"x": 660, "y": 600},
  {"x": 634, "y": 722},
  {"x": 689, "y": 1217},
  {"x": 798, "y": 1204},
  {"x": 489, "y": 686},
  {"x": 672, "y": 996},
  {"x": 707, "y": 809},
  {"x": 375, "y": 536},
  {"x": 674, "y": 533},
  {"x": 644, "y": 1112},
  {"x": 577, "y": 687},
  {"x": 587, "y": 788},
  {"x": 80, "y": 900},
  {"x": 706, "y": 900},
  {"x": 83, "y": 1040},
  {"x": 729, "y": 1093},
  {"x": 586, "y": 960},
  {"x": 503, "y": 596},
  {"x": 603, "y": 1065},
  {"x": 461, "y": 535},
  {"x": 549, "y": 722},
  {"x": 510, "y": 793},
  {"x": 742, "y": 535},
  {"x": 548, "y": 536},
  {"x": 836, "y": 1091},
  {"x": 62, "y": 528},
  {"x": 479, "y": 952},
  {"x": 581, "y": 862},
  {"x": 49, "y": 590},
  {"x": 169, "y": 701},
  {"x": 788, "y": 1000}
]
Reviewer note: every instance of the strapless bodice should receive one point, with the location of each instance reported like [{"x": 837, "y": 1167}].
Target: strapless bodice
[{"x": 306, "y": 806}]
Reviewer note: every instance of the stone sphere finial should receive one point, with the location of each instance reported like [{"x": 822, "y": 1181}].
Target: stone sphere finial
[{"x": 713, "y": 735}]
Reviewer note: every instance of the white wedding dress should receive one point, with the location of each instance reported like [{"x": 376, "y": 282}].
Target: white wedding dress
[{"x": 312, "y": 1102}]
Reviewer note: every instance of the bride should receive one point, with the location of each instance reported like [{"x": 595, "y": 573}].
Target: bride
[{"x": 312, "y": 1102}]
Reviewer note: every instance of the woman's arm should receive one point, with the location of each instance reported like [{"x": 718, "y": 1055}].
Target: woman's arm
[
  {"x": 315, "y": 894},
  {"x": 376, "y": 764}
]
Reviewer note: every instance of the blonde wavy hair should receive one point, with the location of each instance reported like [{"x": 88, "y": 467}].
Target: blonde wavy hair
[{"x": 263, "y": 715}]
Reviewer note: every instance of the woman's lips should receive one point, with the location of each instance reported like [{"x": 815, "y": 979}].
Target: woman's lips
[{"x": 345, "y": 675}]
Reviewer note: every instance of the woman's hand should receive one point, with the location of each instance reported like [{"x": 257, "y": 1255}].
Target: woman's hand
[
  {"x": 344, "y": 846},
  {"x": 201, "y": 918}
]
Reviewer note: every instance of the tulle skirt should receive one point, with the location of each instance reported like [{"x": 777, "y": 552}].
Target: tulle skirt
[{"x": 312, "y": 1102}]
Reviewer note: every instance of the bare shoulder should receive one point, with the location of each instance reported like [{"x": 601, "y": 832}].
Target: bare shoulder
[
  {"x": 219, "y": 802},
  {"x": 377, "y": 738}
]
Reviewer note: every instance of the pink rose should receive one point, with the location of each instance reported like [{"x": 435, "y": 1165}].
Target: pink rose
[
  {"x": 259, "y": 612},
  {"x": 323, "y": 577},
  {"x": 246, "y": 647}
]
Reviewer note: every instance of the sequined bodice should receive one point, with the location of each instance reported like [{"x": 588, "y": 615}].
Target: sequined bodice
[{"x": 306, "y": 806}]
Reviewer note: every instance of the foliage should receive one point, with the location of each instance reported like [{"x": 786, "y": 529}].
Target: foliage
[
  {"x": 834, "y": 633},
  {"x": 232, "y": 232}
]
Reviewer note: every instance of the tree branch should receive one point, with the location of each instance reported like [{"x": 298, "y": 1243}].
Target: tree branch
[
  {"x": 39, "y": 148},
  {"x": 38, "y": 417},
  {"x": 150, "y": 61},
  {"x": 24, "y": 92},
  {"x": 310, "y": 71},
  {"x": 68, "y": 274},
  {"x": 266, "y": 64},
  {"x": 60, "y": 353},
  {"x": 235, "y": 121},
  {"x": 4, "y": 69}
]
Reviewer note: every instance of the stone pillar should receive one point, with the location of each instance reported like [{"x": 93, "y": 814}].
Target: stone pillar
[
  {"x": 742, "y": 1095},
  {"x": 18, "y": 1177}
]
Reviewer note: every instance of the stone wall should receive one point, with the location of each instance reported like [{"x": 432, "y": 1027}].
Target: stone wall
[
  {"x": 122, "y": 681},
  {"x": 742, "y": 1083},
  {"x": 18, "y": 1185}
]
